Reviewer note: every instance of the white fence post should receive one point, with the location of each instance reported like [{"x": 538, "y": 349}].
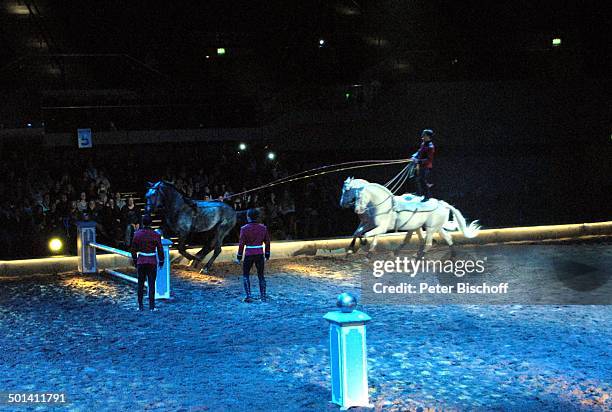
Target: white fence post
[
  {"x": 162, "y": 282},
  {"x": 86, "y": 234}
]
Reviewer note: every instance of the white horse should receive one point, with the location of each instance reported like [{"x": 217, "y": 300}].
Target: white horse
[
  {"x": 350, "y": 192},
  {"x": 380, "y": 212}
]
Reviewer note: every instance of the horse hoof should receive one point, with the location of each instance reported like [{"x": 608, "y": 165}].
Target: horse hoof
[{"x": 204, "y": 271}]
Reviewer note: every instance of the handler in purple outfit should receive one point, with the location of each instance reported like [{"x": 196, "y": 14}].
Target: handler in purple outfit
[
  {"x": 146, "y": 251},
  {"x": 254, "y": 237}
]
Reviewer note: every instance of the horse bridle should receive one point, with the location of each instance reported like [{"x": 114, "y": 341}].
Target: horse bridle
[{"x": 160, "y": 197}]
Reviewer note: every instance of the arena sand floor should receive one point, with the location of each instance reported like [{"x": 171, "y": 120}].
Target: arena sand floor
[{"x": 205, "y": 350}]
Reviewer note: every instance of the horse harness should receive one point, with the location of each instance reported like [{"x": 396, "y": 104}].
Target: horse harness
[{"x": 398, "y": 211}]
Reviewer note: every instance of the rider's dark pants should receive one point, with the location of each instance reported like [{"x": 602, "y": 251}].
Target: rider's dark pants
[
  {"x": 423, "y": 182},
  {"x": 148, "y": 272},
  {"x": 259, "y": 262}
]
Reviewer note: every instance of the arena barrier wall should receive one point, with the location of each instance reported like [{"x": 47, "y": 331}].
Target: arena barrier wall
[
  {"x": 390, "y": 241},
  {"x": 288, "y": 249}
]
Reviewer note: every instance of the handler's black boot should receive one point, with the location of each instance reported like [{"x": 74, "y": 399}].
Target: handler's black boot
[
  {"x": 262, "y": 290},
  {"x": 247, "y": 289}
]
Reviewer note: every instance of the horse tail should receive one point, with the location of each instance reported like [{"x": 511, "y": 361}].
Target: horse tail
[{"x": 469, "y": 231}]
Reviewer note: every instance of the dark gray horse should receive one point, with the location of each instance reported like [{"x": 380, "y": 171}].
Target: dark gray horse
[{"x": 184, "y": 216}]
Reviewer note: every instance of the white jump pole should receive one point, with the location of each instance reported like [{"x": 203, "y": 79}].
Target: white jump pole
[{"x": 86, "y": 249}]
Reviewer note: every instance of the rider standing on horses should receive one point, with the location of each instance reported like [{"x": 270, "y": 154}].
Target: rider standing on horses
[
  {"x": 423, "y": 158},
  {"x": 146, "y": 251},
  {"x": 253, "y": 236}
]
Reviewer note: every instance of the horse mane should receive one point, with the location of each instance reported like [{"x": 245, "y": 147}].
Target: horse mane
[
  {"x": 167, "y": 183},
  {"x": 186, "y": 199},
  {"x": 383, "y": 188},
  {"x": 359, "y": 180},
  {"x": 179, "y": 191},
  {"x": 367, "y": 183}
]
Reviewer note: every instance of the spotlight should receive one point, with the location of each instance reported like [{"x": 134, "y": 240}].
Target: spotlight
[
  {"x": 242, "y": 146},
  {"x": 220, "y": 51},
  {"x": 271, "y": 155},
  {"x": 55, "y": 245},
  {"x": 321, "y": 42},
  {"x": 556, "y": 42}
]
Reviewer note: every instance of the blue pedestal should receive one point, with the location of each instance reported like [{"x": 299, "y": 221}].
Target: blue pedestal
[{"x": 348, "y": 357}]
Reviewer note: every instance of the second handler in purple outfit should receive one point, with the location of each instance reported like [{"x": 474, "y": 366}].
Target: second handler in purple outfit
[{"x": 254, "y": 245}]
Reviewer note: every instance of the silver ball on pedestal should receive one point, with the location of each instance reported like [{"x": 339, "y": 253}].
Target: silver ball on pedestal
[{"x": 346, "y": 302}]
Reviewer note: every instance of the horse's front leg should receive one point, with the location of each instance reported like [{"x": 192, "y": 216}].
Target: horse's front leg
[
  {"x": 221, "y": 232},
  {"x": 182, "y": 248},
  {"x": 351, "y": 248},
  {"x": 378, "y": 230},
  {"x": 216, "y": 252},
  {"x": 359, "y": 233}
]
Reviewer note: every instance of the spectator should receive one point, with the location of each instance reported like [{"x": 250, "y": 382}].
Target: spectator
[
  {"x": 92, "y": 190},
  {"x": 102, "y": 181},
  {"x": 92, "y": 212},
  {"x": 82, "y": 202},
  {"x": 63, "y": 205},
  {"x": 197, "y": 191},
  {"x": 102, "y": 199},
  {"x": 287, "y": 212},
  {"x": 111, "y": 219},
  {"x": 119, "y": 201},
  {"x": 131, "y": 219},
  {"x": 46, "y": 203},
  {"x": 39, "y": 221}
]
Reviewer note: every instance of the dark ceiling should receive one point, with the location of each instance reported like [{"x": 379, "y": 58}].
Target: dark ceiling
[
  {"x": 155, "y": 64},
  {"x": 276, "y": 43}
]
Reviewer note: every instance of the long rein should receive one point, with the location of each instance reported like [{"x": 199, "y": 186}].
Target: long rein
[{"x": 319, "y": 171}]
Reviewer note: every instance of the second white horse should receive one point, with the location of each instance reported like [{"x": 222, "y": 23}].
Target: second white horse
[{"x": 380, "y": 211}]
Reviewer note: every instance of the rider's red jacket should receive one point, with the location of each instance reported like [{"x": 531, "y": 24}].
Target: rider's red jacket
[
  {"x": 147, "y": 248},
  {"x": 425, "y": 154},
  {"x": 253, "y": 236}
]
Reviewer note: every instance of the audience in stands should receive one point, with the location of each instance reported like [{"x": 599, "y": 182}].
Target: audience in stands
[
  {"x": 44, "y": 193},
  {"x": 55, "y": 191}
]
